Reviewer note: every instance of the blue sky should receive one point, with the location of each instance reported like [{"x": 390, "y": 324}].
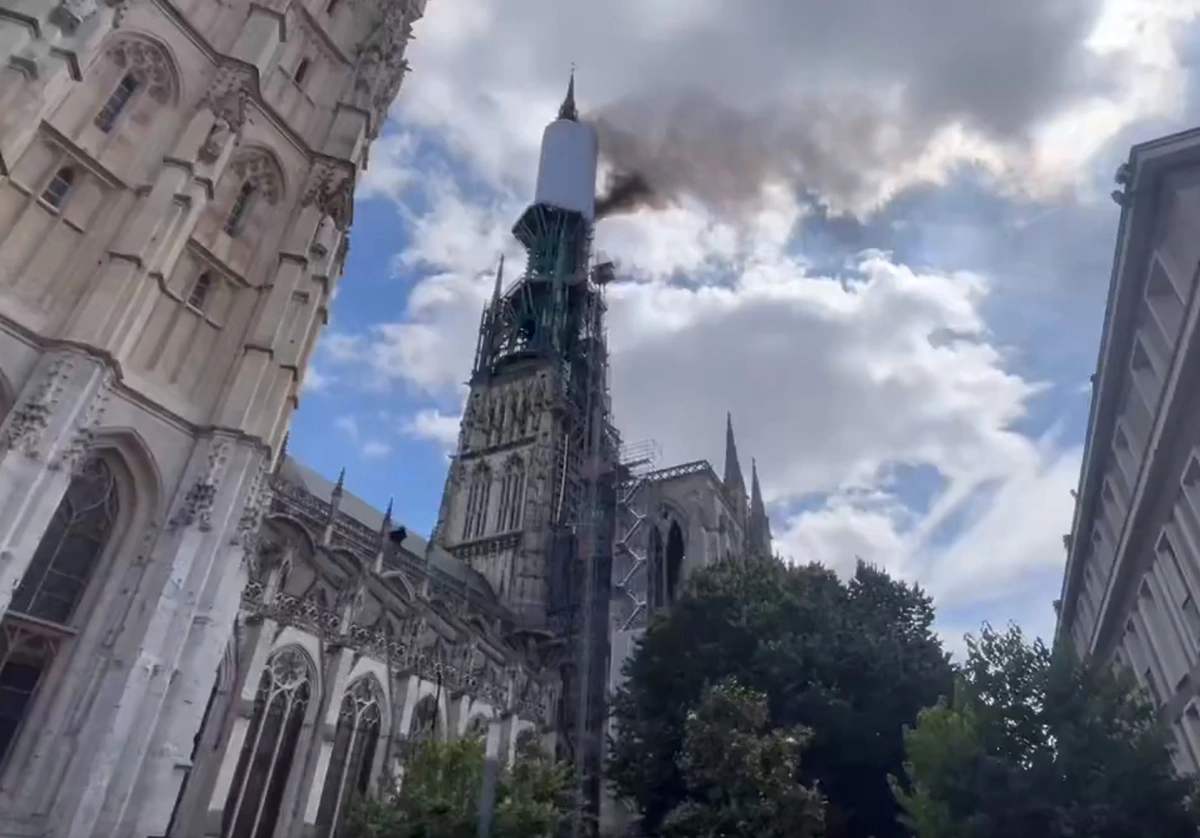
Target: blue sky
[{"x": 889, "y": 260}]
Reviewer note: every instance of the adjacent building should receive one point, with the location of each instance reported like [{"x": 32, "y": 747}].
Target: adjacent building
[{"x": 1132, "y": 580}]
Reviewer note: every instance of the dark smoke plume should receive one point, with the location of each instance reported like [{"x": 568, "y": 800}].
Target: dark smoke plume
[{"x": 625, "y": 192}]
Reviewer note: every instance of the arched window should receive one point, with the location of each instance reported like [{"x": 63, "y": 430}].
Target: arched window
[
  {"x": 200, "y": 291},
  {"x": 424, "y": 720},
  {"x": 301, "y": 72},
  {"x": 477, "y": 727},
  {"x": 107, "y": 117},
  {"x": 56, "y": 191},
  {"x": 241, "y": 205},
  {"x": 270, "y": 746},
  {"x": 354, "y": 742},
  {"x": 674, "y": 568},
  {"x": 512, "y": 493},
  {"x": 50, "y": 590},
  {"x": 478, "y": 496},
  {"x": 655, "y": 577}
]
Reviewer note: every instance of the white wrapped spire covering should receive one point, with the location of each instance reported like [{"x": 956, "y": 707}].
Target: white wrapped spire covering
[{"x": 567, "y": 170}]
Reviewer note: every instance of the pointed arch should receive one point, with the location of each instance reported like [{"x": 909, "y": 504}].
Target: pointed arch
[
  {"x": 150, "y": 62},
  {"x": 260, "y": 166},
  {"x": 512, "y": 494},
  {"x": 478, "y": 500},
  {"x": 284, "y": 524},
  {"x": 654, "y": 569},
  {"x": 8, "y": 396},
  {"x": 426, "y": 717},
  {"x": 286, "y": 690},
  {"x": 674, "y": 560},
  {"x": 352, "y": 756},
  {"x": 476, "y": 726}
]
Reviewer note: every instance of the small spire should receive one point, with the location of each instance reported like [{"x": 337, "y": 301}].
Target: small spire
[
  {"x": 733, "y": 469},
  {"x": 282, "y": 452},
  {"x": 499, "y": 280},
  {"x": 341, "y": 483},
  {"x": 568, "y": 109},
  {"x": 760, "y": 524},
  {"x": 387, "y": 518}
]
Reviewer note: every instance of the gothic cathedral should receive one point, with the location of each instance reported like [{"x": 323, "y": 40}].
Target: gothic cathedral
[{"x": 199, "y": 635}]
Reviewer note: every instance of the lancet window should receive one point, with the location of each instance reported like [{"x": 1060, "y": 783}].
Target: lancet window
[
  {"x": 423, "y": 726},
  {"x": 354, "y": 742},
  {"x": 241, "y": 205},
  {"x": 116, "y": 102},
  {"x": 477, "y": 728},
  {"x": 655, "y": 571},
  {"x": 478, "y": 495},
  {"x": 512, "y": 495},
  {"x": 270, "y": 746},
  {"x": 43, "y": 606},
  {"x": 198, "y": 297},
  {"x": 56, "y": 191}
]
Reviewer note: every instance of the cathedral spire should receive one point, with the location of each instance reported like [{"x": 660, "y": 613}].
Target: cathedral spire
[
  {"x": 568, "y": 110},
  {"x": 760, "y": 524},
  {"x": 733, "y": 469},
  {"x": 499, "y": 280}
]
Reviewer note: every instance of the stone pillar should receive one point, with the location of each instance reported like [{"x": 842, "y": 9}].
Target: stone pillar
[
  {"x": 243, "y": 406},
  {"x": 168, "y": 759},
  {"x": 148, "y": 654},
  {"x": 45, "y": 437}
]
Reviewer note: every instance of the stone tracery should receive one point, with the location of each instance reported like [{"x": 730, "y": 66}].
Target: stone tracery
[
  {"x": 149, "y": 63},
  {"x": 259, "y": 167}
]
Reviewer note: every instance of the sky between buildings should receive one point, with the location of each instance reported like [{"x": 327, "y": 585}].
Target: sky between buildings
[{"x": 887, "y": 255}]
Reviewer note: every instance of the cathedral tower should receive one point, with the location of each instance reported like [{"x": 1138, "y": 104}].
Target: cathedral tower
[
  {"x": 529, "y": 500},
  {"x": 176, "y": 191},
  {"x": 536, "y": 432}
]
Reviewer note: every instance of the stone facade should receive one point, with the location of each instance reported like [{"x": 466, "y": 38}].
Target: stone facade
[
  {"x": 1132, "y": 579},
  {"x": 176, "y": 183}
]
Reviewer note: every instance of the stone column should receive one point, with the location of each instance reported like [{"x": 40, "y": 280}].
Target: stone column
[
  {"x": 45, "y": 437},
  {"x": 168, "y": 758},
  {"x": 243, "y": 405},
  {"x": 148, "y": 655}
]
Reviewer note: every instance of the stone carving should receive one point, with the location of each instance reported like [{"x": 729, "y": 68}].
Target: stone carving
[
  {"x": 228, "y": 93},
  {"x": 259, "y": 167},
  {"x": 258, "y": 501},
  {"x": 214, "y": 143},
  {"x": 68, "y": 14},
  {"x": 80, "y": 444},
  {"x": 29, "y": 421},
  {"x": 147, "y": 62},
  {"x": 197, "y": 504},
  {"x": 120, "y": 10}
]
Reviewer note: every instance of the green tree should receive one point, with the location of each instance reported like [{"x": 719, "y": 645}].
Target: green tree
[
  {"x": 533, "y": 796},
  {"x": 853, "y": 662},
  {"x": 740, "y": 773},
  {"x": 439, "y": 796},
  {"x": 1036, "y": 743}
]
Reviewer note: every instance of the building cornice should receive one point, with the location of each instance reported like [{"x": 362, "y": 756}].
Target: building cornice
[{"x": 1141, "y": 206}]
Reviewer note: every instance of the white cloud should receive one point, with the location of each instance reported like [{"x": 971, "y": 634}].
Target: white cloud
[
  {"x": 434, "y": 425},
  {"x": 374, "y": 449},
  {"x": 314, "y": 380},
  {"x": 833, "y": 380}
]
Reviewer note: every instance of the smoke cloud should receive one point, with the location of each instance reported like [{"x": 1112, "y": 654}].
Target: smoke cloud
[{"x": 845, "y": 102}]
